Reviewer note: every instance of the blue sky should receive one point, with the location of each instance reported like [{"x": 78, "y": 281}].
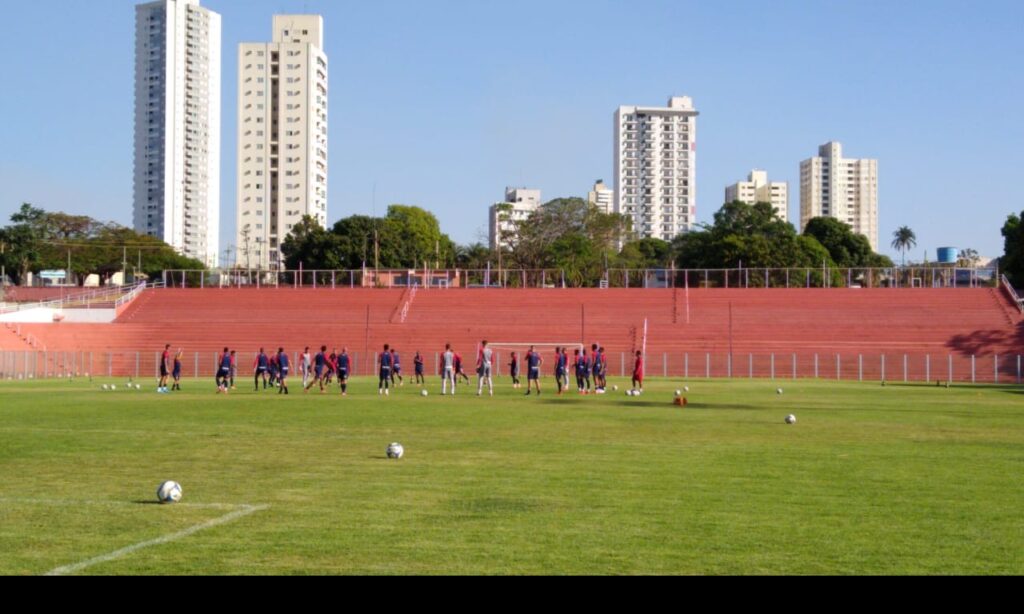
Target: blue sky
[{"x": 442, "y": 104}]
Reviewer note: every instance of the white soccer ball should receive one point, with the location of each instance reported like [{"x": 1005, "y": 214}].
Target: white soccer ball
[
  {"x": 790, "y": 419},
  {"x": 779, "y": 391},
  {"x": 396, "y": 451},
  {"x": 424, "y": 393},
  {"x": 113, "y": 387},
  {"x": 169, "y": 492},
  {"x": 679, "y": 393},
  {"x": 106, "y": 387},
  {"x": 138, "y": 386},
  {"x": 615, "y": 388},
  {"x": 686, "y": 388}
]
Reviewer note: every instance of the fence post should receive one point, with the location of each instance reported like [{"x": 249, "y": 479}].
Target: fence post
[
  {"x": 773, "y": 365},
  {"x": 838, "y": 368},
  {"x": 996, "y": 365},
  {"x": 1018, "y": 368},
  {"x": 686, "y": 366},
  {"x": 927, "y": 368},
  {"x": 750, "y": 367},
  {"x": 708, "y": 365},
  {"x": 137, "y": 365},
  {"x": 110, "y": 365},
  {"x": 195, "y": 372},
  {"x": 815, "y": 365},
  {"x": 622, "y": 357},
  {"x": 974, "y": 373},
  {"x": 729, "y": 365},
  {"x": 906, "y": 377},
  {"x": 860, "y": 367},
  {"x": 664, "y": 362},
  {"x": 794, "y": 366},
  {"x": 950, "y": 380}
]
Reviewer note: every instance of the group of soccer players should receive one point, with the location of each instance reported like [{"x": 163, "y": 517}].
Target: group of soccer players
[{"x": 591, "y": 370}]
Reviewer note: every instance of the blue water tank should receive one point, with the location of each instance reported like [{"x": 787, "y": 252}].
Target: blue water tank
[{"x": 948, "y": 255}]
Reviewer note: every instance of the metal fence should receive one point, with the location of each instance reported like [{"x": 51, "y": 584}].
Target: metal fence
[
  {"x": 809, "y": 277},
  {"x": 839, "y": 366}
]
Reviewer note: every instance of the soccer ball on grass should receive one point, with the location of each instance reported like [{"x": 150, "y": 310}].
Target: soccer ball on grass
[
  {"x": 790, "y": 419},
  {"x": 169, "y": 492},
  {"x": 396, "y": 451}
]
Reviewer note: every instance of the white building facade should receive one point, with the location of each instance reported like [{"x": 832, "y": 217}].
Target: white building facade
[
  {"x": 282, "y": 137},
  {"x": 177, "y": 126},
  {"x": 757, "y": 189},
  {"x": 503, "y": 217},
  {"x": 602, "y": 197},
  {"x": 843, "y": 188},
  {"x": 656, "y": 166}
]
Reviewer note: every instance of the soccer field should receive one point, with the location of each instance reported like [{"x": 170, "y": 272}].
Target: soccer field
[{"x": 874, "y": 480}]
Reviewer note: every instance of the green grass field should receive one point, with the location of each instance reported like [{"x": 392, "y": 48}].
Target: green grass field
[{"x": 872, "y": 480}]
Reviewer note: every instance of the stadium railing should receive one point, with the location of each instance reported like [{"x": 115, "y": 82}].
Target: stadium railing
[
  {"x": 891, "y": 367},
  {"x": 80, "y": 300},
  {"x": 806, "y": 277},
  {"x": 1012, "y": 292}
]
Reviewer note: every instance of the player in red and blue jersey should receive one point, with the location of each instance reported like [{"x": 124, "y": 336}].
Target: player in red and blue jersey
[
  {"x": 384, "y": 361},
  {"x": 283, "y": 366},
  {"x": 176, "y": 372},
  {"x": 419, "y": 366},
  {"x": 261, "y": 368},
  {"x": 319, "y": 367},
  {"x": 396, "y": 368},
  {"x": 513, "y": 368},
  {"x": 561, "y": 364},
  {"x": 165, "y": 369},
  {"x": 533, "y": 364},
  {"x": 344, "y": 365},
  {"x": 638, "y": 372},
  {"x": 223, "y": 371}
]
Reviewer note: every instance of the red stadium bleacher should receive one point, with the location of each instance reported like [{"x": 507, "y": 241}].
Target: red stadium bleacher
[{"x": 765, "y": 331}]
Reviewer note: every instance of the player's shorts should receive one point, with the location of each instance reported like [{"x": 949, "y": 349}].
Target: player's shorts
[
  {"x": 319, "y": 372},
  {"x": 343, "y": 373},
  {"x": 485, "y": 371},
  {"x": 534, "y": 373},
  {"x": 177, "y": 373},
  {"x": 559, "y": 373},
  {"x": 283, "y": 372},
  {"x": 163, "y": 371},
  {"x": 222, "y": 372},
  {"x": 398, "y": 369},
  {"x": 419, "y": 369}
]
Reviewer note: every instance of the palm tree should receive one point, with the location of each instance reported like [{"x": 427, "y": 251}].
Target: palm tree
[{"x": 904, "y": 239}]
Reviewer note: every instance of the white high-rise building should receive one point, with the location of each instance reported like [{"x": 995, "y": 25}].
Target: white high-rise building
[
  {"x": 843, "y": 188},
  {"x": 602, "y": 197},
  {"x": 177, "y": 126},
  {"x": 757, "y": 189},
  {"x": 519, "y": 204},
  {"x": 282, "y": 137},
  {"x": 655, "y": 167}
]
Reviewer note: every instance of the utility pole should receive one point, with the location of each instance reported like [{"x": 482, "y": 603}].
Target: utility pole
[{"x": 124, "y": 265}]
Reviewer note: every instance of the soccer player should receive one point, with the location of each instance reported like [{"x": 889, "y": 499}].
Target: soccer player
[
  {"x": 638, "y": 372},
  {"x": 165, "y": 369},
  {"x": 320, "y": 364},
  {"x": 396, "y": 368},
  {"x": 275, "y": 369},
  {"x": 306, "y": 366},
  {"x": 385, "y": 372},
  {"x": 577, "y": 363},
  {"x": 283, "y": 366},
  {"x": 514, "y": 370},
  {"x": 459, "y": 372},
  {"x": 447, "y": 369},
  {"x": 418, "y": 363},
  {"x": 604, "y": 370},
  {"x": 260, "y": 368},
  {"x": 533, "y": 363},
  {"x": 565, "y": 368},
  {"x": 234, "y": 369},
  {"x": 344, "y": 364},
  {"x": 561, "y": 364},
  {"x": 332, "y": 367},
  {"x": 595, "y": 367},
  {"x": 483, "y": 367},
  {"x": 224, "y": 371},
  {"x": 176, "y": 371}
]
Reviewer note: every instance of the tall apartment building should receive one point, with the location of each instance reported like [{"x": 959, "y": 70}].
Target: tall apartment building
[
  {"x": 602, "y": 197},
  {"x": 655, "y": 167},
  {"x": 282, "y": 137},
  {"x": 519, "y": 204},
  {"x": 177, "y": 126},
  {"x": 757, "y": 189},
  {"x": 843, "y": 188}
]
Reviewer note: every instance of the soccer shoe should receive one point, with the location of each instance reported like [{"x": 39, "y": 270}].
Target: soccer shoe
[{"x": 387, "y": 392}]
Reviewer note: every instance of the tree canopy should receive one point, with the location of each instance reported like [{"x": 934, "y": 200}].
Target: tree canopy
[
  {"x": 846, "y": 248},
  {"x": 1012, "y": 262}
]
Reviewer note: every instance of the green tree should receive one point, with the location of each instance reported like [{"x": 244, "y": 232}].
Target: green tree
[
  {"x": 650, "y": 253},
  {"x": 904, "y": 239},
  {"x": 846, "y": 248},
  {"x": 1012, "y": 262},
  {"x": 23, "y": 242}
]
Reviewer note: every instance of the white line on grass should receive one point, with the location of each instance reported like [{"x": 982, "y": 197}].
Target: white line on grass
[
  {"x": 244, "y": 510},
  {"x": 115, "y": 504}
]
